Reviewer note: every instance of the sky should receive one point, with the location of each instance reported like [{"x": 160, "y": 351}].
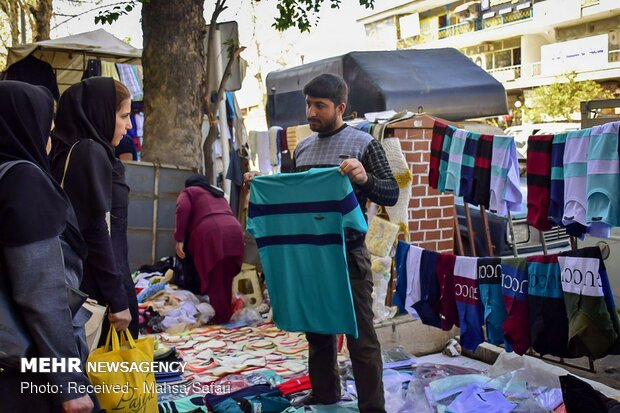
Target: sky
[{"x": 336, "y": 32}]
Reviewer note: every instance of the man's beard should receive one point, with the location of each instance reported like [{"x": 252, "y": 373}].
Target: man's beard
[{"x": 324, "y": 127}]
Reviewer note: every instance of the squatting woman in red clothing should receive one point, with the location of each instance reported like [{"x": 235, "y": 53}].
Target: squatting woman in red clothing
[{"x": 214, "y": 239}]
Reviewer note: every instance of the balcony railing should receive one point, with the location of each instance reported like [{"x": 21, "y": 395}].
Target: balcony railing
[
  {"x": 529, "y": 70},
  {"x": 456, "y": 29},
  {"x": 508, "y": 18},
  {"x": 506, "y": 74}
]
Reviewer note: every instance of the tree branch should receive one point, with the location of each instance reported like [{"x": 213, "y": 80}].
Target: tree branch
[{"x": 220, "y": 6}]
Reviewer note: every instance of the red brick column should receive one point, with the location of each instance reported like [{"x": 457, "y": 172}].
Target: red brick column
[{"x": 431, "y": 215}]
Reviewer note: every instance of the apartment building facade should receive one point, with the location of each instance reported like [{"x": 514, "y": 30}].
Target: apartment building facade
[{"x": 523, "y": 43}]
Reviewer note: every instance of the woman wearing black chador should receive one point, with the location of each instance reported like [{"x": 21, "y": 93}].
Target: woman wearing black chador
[{"x": 91, "y": 119}]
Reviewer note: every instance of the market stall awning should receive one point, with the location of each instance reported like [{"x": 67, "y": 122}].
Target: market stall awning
[
  {"x": 440, "y": 82},
  {"x": 68, "y": 55}
]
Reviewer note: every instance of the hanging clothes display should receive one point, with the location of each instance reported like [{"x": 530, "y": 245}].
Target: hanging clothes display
[
  {"x": 560, "y": 305},
  {"x": 469, "y": 306},
  {"x": 36, "y": 72},
  {"x": 539, "y": 180},
  {"x": 505, "y": 193},
  {"x": 468, "y": 166},
  {"x": 603, "y": 180},
  {"x": 129, "y": 78},
  {"x": 556, "y": 190},
  {"x": 548, "y": 319},
  {"x": 593, "y": 322},
  {"x": 514, "y": 289}
]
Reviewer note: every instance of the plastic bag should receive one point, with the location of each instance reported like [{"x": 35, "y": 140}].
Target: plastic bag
[
  {"x": 380, "y": 278},
  {"x": 396, "y": 357},
  {"x": 246, "y": 316},
  {"x": 393, "y": 390}
]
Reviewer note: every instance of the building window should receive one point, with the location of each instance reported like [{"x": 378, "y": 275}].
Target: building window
[
  {"x": 516, "y": 56},
  {"x": 503, "y": 59}
]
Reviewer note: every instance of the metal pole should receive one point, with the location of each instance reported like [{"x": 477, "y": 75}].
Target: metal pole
[
  {"x": 470, "y": 230},
  {"x": 512, "y": 235},
  {"x": 457, "y": 232},
  {"x": 543, "y": 241},
  {"x": 223, "y": 121},
  {"x": 487, "y": 231}
]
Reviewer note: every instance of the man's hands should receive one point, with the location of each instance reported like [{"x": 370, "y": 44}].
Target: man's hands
[
  {"x": 180, "y": 251},
  {"x": 355, "y": 170},
  {"x": 351, "y": 167},
  {"x": 80, "y": 405},
  {"x": 120, "y": 320},
  {"x": 248, "y": 177}
]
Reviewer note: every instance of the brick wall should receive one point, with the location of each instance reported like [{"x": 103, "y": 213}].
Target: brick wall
[{"x": 431, "y": 215}]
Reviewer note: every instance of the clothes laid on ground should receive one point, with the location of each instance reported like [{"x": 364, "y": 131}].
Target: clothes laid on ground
[
  {"x": 298, "y": 221},
  {"x": 538, "y": 180},
  {"x": 579, "y": 396}
]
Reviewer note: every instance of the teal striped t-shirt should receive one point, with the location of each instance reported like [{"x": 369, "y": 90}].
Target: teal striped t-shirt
[{"x": 298, "y": 220}]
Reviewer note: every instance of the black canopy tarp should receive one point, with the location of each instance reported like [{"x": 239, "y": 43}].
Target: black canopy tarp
[{"x": 443, "y": 82}]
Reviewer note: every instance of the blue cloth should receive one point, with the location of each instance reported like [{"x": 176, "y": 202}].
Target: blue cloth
[
  {"x": 475, "y": 399},
  {"x": 402, "y": 250},
  {"x": 427, "y": 308},
  {"x": 213, "y": 400},
  {"x": 467, "y": 167},
  {"x": 445, "y": 156},
  {"x": 490, "y": 285},
  {"x": 298, "y": 220}
]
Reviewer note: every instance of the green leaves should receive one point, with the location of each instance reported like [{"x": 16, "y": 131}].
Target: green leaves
[
  {"x": 112, "y": 14},
  {"x": 299, "y": 13},
  {"x": 560, "y": 100}
]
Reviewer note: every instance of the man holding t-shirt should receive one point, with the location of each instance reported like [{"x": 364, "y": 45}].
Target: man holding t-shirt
[{"x": 363, "y": 159}]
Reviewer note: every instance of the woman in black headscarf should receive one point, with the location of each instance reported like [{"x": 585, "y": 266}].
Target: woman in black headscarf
[
  {"x": 39, "y": 251},
  {"x": 91, "y": 119}
]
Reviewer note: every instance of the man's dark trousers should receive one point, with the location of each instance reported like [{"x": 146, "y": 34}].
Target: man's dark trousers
[{"x": 365, "y": 351}]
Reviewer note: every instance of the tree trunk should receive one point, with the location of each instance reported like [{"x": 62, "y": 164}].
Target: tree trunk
[
  {"x": 174, "y": 69},
  {"x": 11, "y": 9},
  {"x": 42, "y": 14}
]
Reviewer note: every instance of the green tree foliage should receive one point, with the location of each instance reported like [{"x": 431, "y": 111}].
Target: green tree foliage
[
  {"x": 292, "y": 13},
  {"x": 560, "y": 100}
]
